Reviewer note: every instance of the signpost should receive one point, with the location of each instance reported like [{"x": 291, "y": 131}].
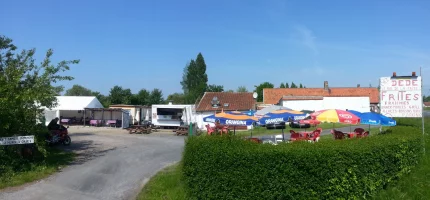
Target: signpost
[
  {"x": 401, "y": 96},
  {"x": 29, "y": 139}
]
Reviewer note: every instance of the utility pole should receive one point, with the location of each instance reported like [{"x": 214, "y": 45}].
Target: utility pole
[{"x": 422, "y": 110}]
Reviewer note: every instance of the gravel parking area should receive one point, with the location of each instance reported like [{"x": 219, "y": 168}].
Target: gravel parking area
[{"x": 111, "y": 164}]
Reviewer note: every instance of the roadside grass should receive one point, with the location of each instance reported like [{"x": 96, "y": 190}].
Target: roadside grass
[
  {"x": 426, "y": 108},
  {"x": 166, "y": 184},
  {"x": 55, "y": 159},
  {"x": 416, "y": 184}
]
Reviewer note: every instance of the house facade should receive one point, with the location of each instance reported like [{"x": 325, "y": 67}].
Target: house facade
[
  {"x": 224, "y": 101},
  {"x": 352, "y": 98},
  {"x": 138, "y": 113}
]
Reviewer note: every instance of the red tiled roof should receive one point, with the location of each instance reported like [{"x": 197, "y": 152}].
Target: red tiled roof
[
  {"x": 427, "y": 104},
  {"x": 237, "y": 101},
  {"x": 273, "y": 95}
]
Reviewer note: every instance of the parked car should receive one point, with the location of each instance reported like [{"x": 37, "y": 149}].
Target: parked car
[
  {"x": 297, "y": 124},
  {"x": 277, "y": 125}
]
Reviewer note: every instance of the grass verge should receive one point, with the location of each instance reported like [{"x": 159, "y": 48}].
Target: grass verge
[
  {"x": 166, "y": 184},
  {"x": 38, "y": 170}
]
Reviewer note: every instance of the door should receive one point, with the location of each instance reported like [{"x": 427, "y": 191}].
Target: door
[{"x": 125, "y": 119}]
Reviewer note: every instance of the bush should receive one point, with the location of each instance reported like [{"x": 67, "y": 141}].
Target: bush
[{"x": 230, "y": 168}]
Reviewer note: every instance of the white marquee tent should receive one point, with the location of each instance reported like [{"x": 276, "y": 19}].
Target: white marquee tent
[{"x": 71, "y": 106}]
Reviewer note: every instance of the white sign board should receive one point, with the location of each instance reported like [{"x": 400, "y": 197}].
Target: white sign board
[
  {"x": 29, "y": 139},
  {"x": 401, "y": 97}
]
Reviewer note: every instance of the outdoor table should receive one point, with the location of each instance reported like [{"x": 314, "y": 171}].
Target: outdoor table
[
  {"x": 111, "y": 122},
  {"x": 95, "y": 122},
  {"x": 64, "y": 120}
]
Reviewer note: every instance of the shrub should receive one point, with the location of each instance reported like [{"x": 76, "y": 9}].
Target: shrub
[{"x": 230, "y": 168}]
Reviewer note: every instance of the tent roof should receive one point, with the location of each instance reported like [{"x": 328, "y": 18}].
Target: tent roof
[{"x": 77, "y": 103}]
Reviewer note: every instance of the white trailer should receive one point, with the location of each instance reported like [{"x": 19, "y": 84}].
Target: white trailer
[{"x": 170, "y": 115}]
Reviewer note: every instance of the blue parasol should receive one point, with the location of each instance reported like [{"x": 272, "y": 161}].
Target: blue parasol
[
  {"x": 372, "y": 118},
  {"x": 281, "y": 116}
]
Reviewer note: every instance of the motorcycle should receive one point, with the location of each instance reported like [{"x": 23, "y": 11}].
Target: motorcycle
[{"x": 60, "y": 136}]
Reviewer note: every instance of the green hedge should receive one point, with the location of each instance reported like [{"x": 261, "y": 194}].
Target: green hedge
[{"x": 230, "y": 168}]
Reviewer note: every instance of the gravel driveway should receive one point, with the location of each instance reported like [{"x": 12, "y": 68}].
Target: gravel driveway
[{"x": 111, "y": 164}]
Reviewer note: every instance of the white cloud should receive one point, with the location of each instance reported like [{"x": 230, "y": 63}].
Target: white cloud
[{"x": 307, "y": 38}]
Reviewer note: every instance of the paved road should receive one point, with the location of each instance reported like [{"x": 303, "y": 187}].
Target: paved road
[
  {"x": 427, "y": 113},
  {"x": 110, "y": 166}
]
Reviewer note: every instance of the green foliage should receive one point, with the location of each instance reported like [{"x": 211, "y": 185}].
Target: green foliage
[
  {"x": 287, "y": 85},
  {"x": 26, "y": 86},
  {"x": 301, "y": 86},
  {"x": 242, "y": 89},
  {"x": 176, "y": 98},
  {"x": 215, "y": 88},
  {"x": 259, "y": 90},
  {"x": 230, "y": 168},
  {"x": 141, "y": 98},
  {"x": 293, "y": 85},
  {"x": 118, "y": 95},
  {"x": 156, "y": 97},
  {"x": 78, "y": 90},
  {"x": 229, "y": 90},
  {"x": 282, "y": 85},
  {"x": 104, "y": 100},
  {"x": 194, "y": 79}
]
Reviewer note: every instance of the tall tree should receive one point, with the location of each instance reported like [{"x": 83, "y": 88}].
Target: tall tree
[
  {"x": 184, "y": 82},
  {"x": 118, "y": 95},
  {"x": 194, "y": 80},
  {"x": 26, "y": 86},
  {"x": 293, "y": 85},
  {"x": 156, "y": 97},
  {"x": 259, "y": 89},
  {"x": 176, "y": 98},
  {"x": 287, "y": 86},
  {"x": 78, "y": 90},
  {"x": 142, "y": 97},
  {"x": 301, "y": 86},
  {"x": 215, "y": 88},
  {"x": 282, "y": 85},
  {"x": 242, "y": 89}
]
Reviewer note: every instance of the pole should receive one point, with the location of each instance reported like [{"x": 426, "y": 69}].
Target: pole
[
  {"x": 283, "y": 137},
  {"x": 422, "y": 112}
]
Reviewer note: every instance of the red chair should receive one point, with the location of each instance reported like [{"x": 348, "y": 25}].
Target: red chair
[
  {"x": 294, "y": 136},
  {"x": 315, "y": 136},
  {"x": 359, "y": 130},
  {"x": 224, "y": 130},
  {"x": 319, "y": 129},
  {"x": 338, "y": 135},
  {"x": 209, "y": 129},
  {"x": 365, "y": 134}
]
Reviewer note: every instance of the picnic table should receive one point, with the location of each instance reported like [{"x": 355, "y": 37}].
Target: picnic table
[
  {"x": 139, "y": 129},
  {"x": 182, "y": 130}
]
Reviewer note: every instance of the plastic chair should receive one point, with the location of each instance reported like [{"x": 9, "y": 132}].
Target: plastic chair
[
  {"x": 294, "y": 136},
  {"x": 224, "y": 130},
  {"x": 315, "y": 136},
  {"x": 359, "y": 130},
  {"x": 209, "y": 129},
  {"x": 338, "y": 135}
]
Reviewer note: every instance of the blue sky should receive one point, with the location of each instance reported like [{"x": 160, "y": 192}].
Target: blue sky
[{"x": 146, "y": 44}]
